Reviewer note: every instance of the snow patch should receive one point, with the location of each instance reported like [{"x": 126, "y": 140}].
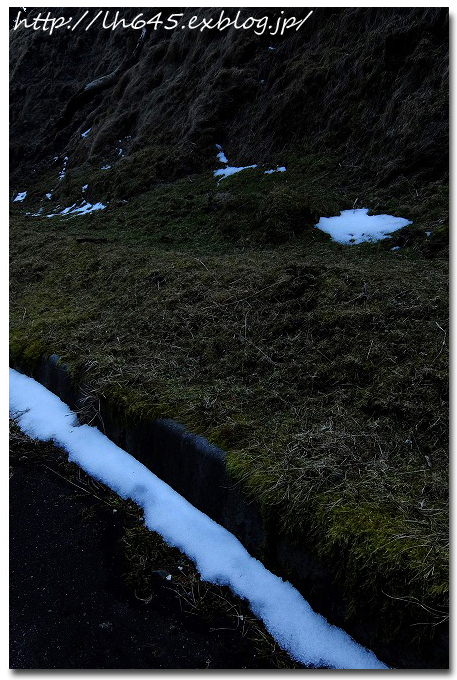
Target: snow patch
[
  {"x": 232, "y": 170},
  {"x": 219, "y": 556},
  {"x": 84, "y": 134},
  {"x": 105, "y": 167},
  {"x": 64, "y": 167},
  {"x": 49, "y": 196},
  {"x": 355, "y": 226},
  {"x": 83, "y": 209},
  {"x": 278, "y": 169},
  {"x": 20, "y": 197},
  {"x": 84, "y": 188},
  {"x": 228, "y": 170}
]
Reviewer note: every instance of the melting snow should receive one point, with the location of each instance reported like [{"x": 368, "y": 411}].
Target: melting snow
[
  {"x": 218, "y": 555},
  {"x": 20, "y": 197},
  {"x": 225, "y": 172},
  {"x": 356, "y": 226},
  {"x": 221, "y": 155},
  {"x": 231, "y": 170},
  {"x": 62, "y": 172},
  {"x": 82, "y": 209},
  {"x": 84, "y": 134},
  {"x": 278, "y": 169}
]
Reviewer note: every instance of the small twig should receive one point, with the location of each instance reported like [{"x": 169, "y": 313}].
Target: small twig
[{"x": 81, "y": 488}]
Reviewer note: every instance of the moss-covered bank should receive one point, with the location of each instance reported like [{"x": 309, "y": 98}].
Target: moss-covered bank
[{"x": 321, "y": 370}]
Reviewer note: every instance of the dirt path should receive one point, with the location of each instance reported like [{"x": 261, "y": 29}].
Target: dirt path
[{"x": 69, "y": 604}]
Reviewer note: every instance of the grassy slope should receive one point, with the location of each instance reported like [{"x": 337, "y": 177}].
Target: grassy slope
[{"x": 319, "y": 368}]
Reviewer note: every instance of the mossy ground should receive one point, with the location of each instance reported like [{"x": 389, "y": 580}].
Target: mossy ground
[{"x": 321, "y": 369}]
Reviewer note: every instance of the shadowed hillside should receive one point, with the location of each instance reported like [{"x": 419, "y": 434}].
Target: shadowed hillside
[{"x": 363, "y": 89}]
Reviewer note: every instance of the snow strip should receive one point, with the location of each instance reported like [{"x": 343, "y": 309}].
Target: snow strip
[
  {"x": 218, "y": 555},
  {"x": 84, "y": 134},
  {"x": 20, "y": 197},
  {"x": 278, "y": 169},
  {"x": 355, "y": 226},
  {"x": 227, "y": 171},
  {"x": 64, "y": 167},
  {"x": 84, "y": 209}
]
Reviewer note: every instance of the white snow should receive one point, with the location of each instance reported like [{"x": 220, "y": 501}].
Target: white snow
[
  {"x": 356, "y": 226},
  {"x": 278, "y": 169},
  {"x": 84, "y": 134},
  {"x": 396, "y": 248},
  {"x": 427, "y": 233},
  {"x": 20, "y": 197},
  {"x": 83, "y": 209},
  {"x": 228, "y": 170},
  {"x": 231, "y": 170},
  {"x": 84, "y": 187},
  {"x": 49, "y": 196},
  {"x": 62, "y": 172},
  {"x": 219, "y": 556},
  {"x": 105, "y": 167}
]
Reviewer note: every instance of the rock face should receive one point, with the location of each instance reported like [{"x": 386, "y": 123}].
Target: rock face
[{"x": 368, "y": 86}]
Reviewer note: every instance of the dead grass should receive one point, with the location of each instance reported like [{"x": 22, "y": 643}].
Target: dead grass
[{"x": 321, "y": 370}]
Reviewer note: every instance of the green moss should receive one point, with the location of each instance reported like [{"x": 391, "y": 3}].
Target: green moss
[
  {"x": 383, "y": 569},
  {"x": 26, "y": 354}
]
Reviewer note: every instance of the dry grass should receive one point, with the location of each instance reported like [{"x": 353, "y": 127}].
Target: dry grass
[{"x": 322, "y": 371}]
